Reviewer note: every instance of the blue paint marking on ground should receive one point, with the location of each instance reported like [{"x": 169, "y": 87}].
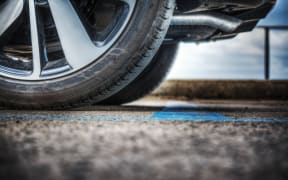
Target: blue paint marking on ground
[
  {"x": 64, "y": 117},
  {"x": 259, "y": 120},
  {"x": 173, "y": 112},
  {"x": 158, "y": 116},
  {"x": 189, "y": 116},
  {"x": 210, "y": 117},
  {"x": 188, "y": 112}
]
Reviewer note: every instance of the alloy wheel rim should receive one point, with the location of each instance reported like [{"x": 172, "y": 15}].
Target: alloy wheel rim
[{"x": 79, "y": 40}]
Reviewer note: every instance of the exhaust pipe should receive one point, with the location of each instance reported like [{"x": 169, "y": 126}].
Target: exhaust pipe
[{"x": 219, "y": 21}]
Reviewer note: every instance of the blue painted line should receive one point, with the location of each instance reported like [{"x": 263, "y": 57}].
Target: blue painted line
[
  {"x": 159, "y": 116},
  {"x": 210, "y": 117},
  {"x": 188, "y": 112},
  {"x": 63, "y": 117},
  {"x": 173, "y": 112},
  {"x": 258, "y": 120},
  {"x": 189, "y": 116},
  {"x": 184, "y": 112}
]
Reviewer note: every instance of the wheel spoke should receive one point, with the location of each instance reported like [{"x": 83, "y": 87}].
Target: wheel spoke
[
  {"x": 78, "y": 48},
  {"x": 37, "y": 39},
  {"x": 77, "y": 45},
  {"x": 9, "y": 12}
]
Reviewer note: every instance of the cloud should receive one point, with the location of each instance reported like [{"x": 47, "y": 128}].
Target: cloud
[
  {"x": 278, "y": 17},
  {"x": 239, "y": 58}
]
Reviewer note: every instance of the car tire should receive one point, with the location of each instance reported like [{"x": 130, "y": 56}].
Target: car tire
[
  {"x": 115, "y": 69},
  {"x": 149, "y": 79}
]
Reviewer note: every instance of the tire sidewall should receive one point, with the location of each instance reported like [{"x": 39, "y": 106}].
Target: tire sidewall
[
  {"x": 101, "y": 76},
  {"x": 150, "y": 77}
]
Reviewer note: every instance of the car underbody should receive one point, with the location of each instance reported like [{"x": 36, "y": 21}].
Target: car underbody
[{"x": 203, "y": 20}]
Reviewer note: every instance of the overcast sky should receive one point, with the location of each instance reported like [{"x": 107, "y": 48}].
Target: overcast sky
[
  {"x": 238, "y": 58},
  {"x": 278, "y": 16}
]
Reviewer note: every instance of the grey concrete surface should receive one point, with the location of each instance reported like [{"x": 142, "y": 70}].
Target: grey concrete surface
[{"x": 202, "y": 141}]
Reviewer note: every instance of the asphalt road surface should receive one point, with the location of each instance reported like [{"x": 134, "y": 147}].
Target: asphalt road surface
[{"x": 149, "y": 139}]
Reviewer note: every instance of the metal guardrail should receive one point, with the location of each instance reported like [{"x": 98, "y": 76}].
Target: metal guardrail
[{"x": 267, "y": 55}]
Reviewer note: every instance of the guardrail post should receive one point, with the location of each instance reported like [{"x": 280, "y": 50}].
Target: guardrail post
[{"x": 267, "y": 53}]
